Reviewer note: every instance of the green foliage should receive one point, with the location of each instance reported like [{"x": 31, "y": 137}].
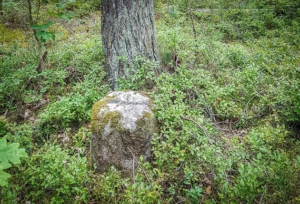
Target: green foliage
[
  {"x": 143, "y": 77},
  {"x": 285, "y": 8},
  {"x": 23, "y": 134},
  {"x": 194, "y": 194},
  {"x": 75, "y": 108},
  {"x": 224, "y": 105},
  {"x": 42, "y": 31},
  {"x": 51, "y": 174},
  {"x": 9, "y": 154},
  {"x": 19, "y": 78},
  {"x": 268, "y": 166},
  {"x": 80, "y": 137},
  {"x": 52, "y": 168},
  {"x": 3, "y": 128},
  {"x": 144, "y": 189},
  {"x": 109, "y": 187},
  {"x": 112, "y": 188},
  {"x": 14, "y": 13}
]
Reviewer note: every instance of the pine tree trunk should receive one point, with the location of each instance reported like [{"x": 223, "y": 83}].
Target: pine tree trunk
[{"x": 128, "y": 32}]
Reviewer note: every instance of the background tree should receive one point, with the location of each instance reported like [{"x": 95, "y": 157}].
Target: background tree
[{"x": 128, "y": 32}]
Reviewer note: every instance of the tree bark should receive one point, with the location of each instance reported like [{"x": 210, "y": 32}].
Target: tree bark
[{"x": 128, "y": 32}]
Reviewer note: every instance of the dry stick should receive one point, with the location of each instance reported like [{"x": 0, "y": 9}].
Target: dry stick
[
  {"x": 194, "y": 29},
  {"x": 133, "y": 176},
  {"x": 245, "y": 111},
  {"x": 261, "y": 198},
  {"x": 231, "y": 128},
  {"x": 200, "y": 126},
  {"x": 192, "y": 20},
  {"x": 134, "y": 158}
]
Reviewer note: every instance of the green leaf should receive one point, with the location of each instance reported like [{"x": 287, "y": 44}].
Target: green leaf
[
  {"x": 42, "y": 27},
  {"x": 4, "y": 166},
  {"x": 59, "y": 5},
  {"x": 48, "y": 24},
  {"x": 45, "y": 35},
  {"x": 259, "y": 156},
  {"x": 11, "y": 152},
  {"x": 3, "y": 175},
  {"x": 3, "y": 178},
  {"x": 65, "y": 17},
  {"x": 36, "y": 27},
  {"x": 49, "y": 35},
  {"x": 3, "y": 144},
  {"x": 40, "y": 34}
]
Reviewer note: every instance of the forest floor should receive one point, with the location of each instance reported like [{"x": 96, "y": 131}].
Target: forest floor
[{"x": 228, "y": 106}]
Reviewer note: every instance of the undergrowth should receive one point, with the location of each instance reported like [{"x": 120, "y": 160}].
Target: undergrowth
[{"x": 227, "y": 104}]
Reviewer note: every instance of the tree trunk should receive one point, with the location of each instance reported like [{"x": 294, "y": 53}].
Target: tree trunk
[
  {"x": 128, "y": 32},
  {"x": 41, "y": 55}
]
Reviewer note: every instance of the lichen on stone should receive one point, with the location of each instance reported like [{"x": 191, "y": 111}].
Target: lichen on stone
[{"x": 98, "y": 123}]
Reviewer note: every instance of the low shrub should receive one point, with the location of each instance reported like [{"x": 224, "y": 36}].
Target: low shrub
[{"x": 50, "y": 175}]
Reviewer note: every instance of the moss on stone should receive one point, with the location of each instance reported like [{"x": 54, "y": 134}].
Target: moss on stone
[
  {"x": 98, "y": 123},
  {"x": 144, "y": 120}
]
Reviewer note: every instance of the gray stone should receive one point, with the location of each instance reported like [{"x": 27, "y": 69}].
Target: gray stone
[{"x": 122, "y": 126}]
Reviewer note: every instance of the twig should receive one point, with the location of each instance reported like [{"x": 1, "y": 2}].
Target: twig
[
  {"x": 199, "y": 126},
  {"x": 194, "y": 30},
  {"x": 133, "y": 171},
  {"x": 245, "y": 111},
  {"x": 261, "y": 198},
  {"x": 134, "y": 158},
  {"x": 231, "y": 128},
  {"x": 192, "y": 20}
]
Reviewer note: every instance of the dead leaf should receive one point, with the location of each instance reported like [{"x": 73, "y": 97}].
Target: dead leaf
[
  {"x": 208, "y": 190},
  {"x": 24, "y": 45},
  {"x": 83, "y": 136},
  {"x": 27, "y": 113},
  {"x": 207, "y": 181},
  {"x": 217, "y": 102}
]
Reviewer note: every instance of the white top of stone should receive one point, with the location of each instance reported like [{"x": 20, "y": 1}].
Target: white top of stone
[{"x": 131, "y": 105}]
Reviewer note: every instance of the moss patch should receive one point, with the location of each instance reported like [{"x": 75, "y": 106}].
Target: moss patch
[
  {"x": 99, "y": 122},
  {"x": 57, "y": 28},
  {"x": 144, "y": 120},
  {"x": 8, "y": 35}
]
